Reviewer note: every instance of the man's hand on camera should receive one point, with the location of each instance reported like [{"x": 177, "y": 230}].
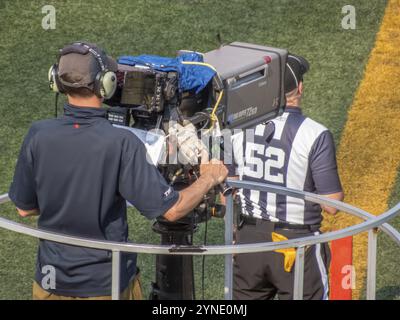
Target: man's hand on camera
[{"x": 214, "y": 171}]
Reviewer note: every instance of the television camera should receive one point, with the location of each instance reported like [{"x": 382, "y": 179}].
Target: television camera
[{"x": 246, "y": 88}]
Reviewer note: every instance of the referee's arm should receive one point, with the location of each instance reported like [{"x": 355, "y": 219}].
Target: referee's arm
[
  {"x": 335, "y": 196},
  {"x": 324, "y": 170}
]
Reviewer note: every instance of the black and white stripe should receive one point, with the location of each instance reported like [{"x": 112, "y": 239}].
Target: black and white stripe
[{"x": 284, "y": 161}]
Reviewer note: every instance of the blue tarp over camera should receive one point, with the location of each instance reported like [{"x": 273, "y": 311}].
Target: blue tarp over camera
[{"x": 191, "y": 76}]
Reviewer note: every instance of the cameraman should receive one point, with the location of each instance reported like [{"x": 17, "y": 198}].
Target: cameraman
[
  {"x": 77, "y": 171},
  {"x": 290, "y": 151}
]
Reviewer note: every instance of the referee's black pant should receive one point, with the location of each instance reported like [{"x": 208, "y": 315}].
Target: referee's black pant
[{"x": 261, "y": 276}]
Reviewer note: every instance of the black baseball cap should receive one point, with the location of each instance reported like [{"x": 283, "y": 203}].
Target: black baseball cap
[
  {"x": 77, "y": 63},
  {"x": 296, "y": 67}
]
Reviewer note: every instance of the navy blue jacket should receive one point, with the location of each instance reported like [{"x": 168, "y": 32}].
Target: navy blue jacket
[{"x": 79, "y": 170}]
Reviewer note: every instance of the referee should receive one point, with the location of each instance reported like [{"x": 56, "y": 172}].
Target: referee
[{"x": 291, "y": 151}]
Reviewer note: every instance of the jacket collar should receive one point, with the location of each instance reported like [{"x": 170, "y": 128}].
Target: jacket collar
[
  {"x": 293, "y": 109},
  {"x": 83, "y": 112}
]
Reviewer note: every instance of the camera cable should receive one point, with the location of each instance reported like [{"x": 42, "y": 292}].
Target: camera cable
[
  {"x": 204, "y": 261},
  {"x": 56, "y": 105}
]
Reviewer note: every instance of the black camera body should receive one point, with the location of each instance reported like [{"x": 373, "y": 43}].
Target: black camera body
[
  {"x": 247, "y": 89},
  {"x": 143, "y": 86},
  {"x": 143, "y": 95},
  {"x": 250, "y": 76}
]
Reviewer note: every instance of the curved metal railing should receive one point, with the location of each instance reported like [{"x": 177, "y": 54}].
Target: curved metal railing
[{"x": 371, "y": 224}]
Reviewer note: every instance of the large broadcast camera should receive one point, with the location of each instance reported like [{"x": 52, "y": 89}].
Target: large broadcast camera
[{"x": 246, "y": 88}]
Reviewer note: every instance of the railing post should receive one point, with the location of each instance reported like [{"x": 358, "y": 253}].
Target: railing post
[
  {"x": 115, "y": 280},
  {"x": 298, "y": 274},
  {"x": 4, "y": 198},
  {"x": 371, "y": 272},
  {"x": 228, "y": 240}
]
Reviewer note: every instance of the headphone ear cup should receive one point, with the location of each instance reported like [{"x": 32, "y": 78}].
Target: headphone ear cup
[
  {"x": 108, "y": 84},
  {"x": 97, "y": 84},
  {"x": 52, "y": 76}
]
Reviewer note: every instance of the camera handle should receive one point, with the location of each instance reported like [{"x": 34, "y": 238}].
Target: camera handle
[{"x": 225, "y": 189}]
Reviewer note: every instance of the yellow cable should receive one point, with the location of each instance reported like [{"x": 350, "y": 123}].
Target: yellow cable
[
  {"x": 200, "y": 64},
  {"x": 213, "y": 116},
  {"x": 204, "y": 65},
  {"x": 214, "y": 110}
]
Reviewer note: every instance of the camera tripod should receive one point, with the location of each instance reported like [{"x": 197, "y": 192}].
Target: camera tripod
[{"x": 174, "y": 273}]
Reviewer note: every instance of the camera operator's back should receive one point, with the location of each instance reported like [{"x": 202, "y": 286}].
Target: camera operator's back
[{"x": 79, "y": 171}]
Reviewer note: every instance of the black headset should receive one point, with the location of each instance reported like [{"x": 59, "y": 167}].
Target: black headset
[{"x": 105, "y": 81}]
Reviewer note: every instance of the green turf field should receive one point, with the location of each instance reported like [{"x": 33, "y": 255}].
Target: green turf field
[{"x": 310, "y": 28}]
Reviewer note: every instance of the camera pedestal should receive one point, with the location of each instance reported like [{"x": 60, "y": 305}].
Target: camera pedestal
[{"x": 174, "y": 273}]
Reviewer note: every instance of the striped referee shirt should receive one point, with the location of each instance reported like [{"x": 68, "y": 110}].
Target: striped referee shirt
[{"x": 291, "y": 151}]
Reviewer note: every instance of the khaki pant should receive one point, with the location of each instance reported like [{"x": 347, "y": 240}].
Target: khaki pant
[{"x": 132, "y": 292}]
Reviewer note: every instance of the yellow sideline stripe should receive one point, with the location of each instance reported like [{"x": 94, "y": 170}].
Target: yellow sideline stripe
[{"x": 369, "y": 152}]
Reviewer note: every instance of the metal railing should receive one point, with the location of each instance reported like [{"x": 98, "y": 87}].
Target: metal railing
[{"x": 371, "y": 224}]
